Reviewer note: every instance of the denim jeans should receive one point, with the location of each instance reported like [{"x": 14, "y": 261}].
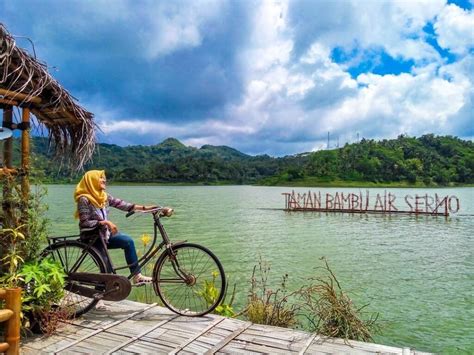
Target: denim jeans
[{"x": 125, "y": 242}]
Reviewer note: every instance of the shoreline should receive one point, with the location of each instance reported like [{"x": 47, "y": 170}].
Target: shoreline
[{"x": 303, "y": 183}]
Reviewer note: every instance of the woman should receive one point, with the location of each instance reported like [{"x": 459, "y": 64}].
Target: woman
[{"x": 92, "y": 210}]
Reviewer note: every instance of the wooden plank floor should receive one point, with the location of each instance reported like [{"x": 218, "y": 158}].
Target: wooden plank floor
[{"x": 131, "y": 327}]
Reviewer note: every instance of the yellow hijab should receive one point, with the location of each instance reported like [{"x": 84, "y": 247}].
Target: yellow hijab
[{"x": 89, "y": 188}]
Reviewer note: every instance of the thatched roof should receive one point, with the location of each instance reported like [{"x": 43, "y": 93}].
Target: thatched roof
[{"x": 71, "y": 128}]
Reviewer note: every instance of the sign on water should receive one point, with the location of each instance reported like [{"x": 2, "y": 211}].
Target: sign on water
[{"x": 365, "y": 202}]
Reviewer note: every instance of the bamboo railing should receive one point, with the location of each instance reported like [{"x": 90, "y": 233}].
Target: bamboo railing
[{"x": 11, "y": 315}]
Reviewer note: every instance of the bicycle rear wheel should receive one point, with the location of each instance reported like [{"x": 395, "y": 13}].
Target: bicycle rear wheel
[
  {"x": 75, "y": 257},
  {"x": 191, "y": 282}
]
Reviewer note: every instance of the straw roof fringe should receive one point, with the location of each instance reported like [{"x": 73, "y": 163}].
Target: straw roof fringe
[{"x": 71, "y": 128}]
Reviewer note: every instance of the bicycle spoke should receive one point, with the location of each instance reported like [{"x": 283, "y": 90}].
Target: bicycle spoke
[{"x": 176, "y": 281}]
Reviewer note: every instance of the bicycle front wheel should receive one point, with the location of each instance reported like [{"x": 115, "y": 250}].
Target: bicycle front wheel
[
  {"x": 190, "y": 280},
  {"x": 75, "y": 258}
]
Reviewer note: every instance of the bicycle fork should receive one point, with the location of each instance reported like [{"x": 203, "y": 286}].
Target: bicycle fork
[{"x": 189, "y": 279}]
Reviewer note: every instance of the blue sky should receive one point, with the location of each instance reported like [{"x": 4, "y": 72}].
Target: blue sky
[{"x": 265, "y": 77}]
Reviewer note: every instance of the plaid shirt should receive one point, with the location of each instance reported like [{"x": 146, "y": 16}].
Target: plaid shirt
[{"x": 90, "y": 216}]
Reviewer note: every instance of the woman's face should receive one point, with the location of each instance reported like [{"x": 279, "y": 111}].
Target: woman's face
[{"x": 102, "y": 183}]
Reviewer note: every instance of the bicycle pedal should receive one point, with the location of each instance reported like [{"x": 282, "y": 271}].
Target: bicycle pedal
[{"x": 140, "y": 284}]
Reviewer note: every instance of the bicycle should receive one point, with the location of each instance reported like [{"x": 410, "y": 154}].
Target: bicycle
[{"x": 188, "y": 278}]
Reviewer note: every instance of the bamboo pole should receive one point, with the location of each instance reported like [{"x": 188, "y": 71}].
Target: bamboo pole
[
  {"x": 12, "y": 329},
  {"x": 3, "y": 347},
  {"x": 19, "y": 95},
  {"x": 8, "y": 102},
  {"x": 5, "y": 314}
]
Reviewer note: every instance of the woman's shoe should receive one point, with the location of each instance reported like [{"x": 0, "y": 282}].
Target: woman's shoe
[
  {"x": 101, "y": 306},
  {"x": 140, "y": 279}
]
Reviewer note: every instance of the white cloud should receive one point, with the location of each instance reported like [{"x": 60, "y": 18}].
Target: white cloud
[
  {"x": 316, "y": 95},
  {"x": 211, "y": 131},
  {"x": 290, "y": 99},
  {"x": 455, "y": 29},
  {"x": 393, "y": 104},
  {"x": 394, "y": 26},
  {"x": 289, "y": 104},
  {"x": 175, "y": 25}
]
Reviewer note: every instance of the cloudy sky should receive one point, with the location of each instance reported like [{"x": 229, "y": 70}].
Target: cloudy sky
[{"x": 268, "y": 77}]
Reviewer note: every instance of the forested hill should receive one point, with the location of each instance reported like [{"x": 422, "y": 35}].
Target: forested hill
[
  {"x": 429, "y": 160},
  {"x": 167, "y": 162}
]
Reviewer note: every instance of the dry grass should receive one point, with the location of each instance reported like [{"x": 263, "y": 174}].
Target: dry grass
[
  {"x": 321, "y": 306},
  {"x": 50, "y": 321},
  {"x": 269, "y": 307},
  {"x": 331, "y": 312}
]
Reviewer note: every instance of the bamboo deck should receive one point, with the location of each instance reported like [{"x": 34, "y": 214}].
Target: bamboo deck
[{"x": 131, "y": 327}]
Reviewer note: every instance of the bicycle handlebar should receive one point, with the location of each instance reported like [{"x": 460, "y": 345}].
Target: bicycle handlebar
[{"x": 154, "y": 210}]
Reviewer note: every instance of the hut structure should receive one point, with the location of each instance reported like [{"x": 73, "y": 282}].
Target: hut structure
[{"x": 27, "y": 88}]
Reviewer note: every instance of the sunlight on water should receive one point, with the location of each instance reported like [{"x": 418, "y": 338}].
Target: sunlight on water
[{"x": 417, "y": 272}]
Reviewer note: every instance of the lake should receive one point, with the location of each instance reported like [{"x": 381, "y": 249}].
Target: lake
[{"x": 417, "y": 272}]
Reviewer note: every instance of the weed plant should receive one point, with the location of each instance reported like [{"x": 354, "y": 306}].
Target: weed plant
[
  {"x": 209, "y": 293},
  {"x": 145, "y": 294},
  {"x": 12, "y": 257},
  {"x": 37, "y": 223},
  {"x": 331, "y": 312},
  {"x": 321, "y": 306},
  {"x": 28, "y": 218},
  {"x": 266, "y": 306}
]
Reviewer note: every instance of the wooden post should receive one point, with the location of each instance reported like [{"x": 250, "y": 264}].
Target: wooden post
[{"x": 12, "y": 329}]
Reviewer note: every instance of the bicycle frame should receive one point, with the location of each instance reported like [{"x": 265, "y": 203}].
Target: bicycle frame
[
  {"x": 152, "y": 251},
  {"x": 147, "y": 256}
]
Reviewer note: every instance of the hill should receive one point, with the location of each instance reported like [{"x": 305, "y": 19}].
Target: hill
[
  {"x": 429, "y": 160},
  {"x": 167, "y": 162}
]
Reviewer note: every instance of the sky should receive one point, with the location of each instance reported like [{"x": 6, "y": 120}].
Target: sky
[{"x": 264, "y": 77}]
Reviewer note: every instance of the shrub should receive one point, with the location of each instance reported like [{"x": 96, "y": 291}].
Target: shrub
[
  {"x": 37, "y": 223},
  {"x": 12, "y": 256},
  {"x": 43, "y": 293}
]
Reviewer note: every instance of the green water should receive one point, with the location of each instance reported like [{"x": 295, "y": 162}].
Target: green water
[{"x": 417, "y": 272}]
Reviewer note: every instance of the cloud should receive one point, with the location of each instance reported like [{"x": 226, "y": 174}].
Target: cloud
[
  {"x": 454, "y": 27},
  {"x": 146, "y": 132},
  {"x": 263, "y": 76},
  {"x": 170, "y": 60},
  {"x": 289, "y": 103},
  {"x": 177, "y": 25},
  {"x": 394, "y": 26}
]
